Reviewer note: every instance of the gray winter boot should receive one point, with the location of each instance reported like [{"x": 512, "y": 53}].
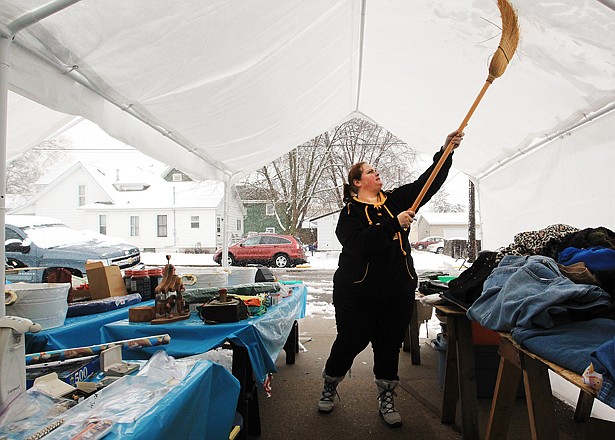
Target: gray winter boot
[
  {"x": 329, "y": 390},
  {"x": 386, "y": 405}
]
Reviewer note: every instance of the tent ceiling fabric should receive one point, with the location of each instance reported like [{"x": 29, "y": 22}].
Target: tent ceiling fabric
[{"x": 234, "y": 85}]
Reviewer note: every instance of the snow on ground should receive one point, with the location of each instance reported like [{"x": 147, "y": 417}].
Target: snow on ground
[{"x": 423, "y": 261}]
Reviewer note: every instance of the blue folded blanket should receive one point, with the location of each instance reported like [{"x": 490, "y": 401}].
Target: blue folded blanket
[{"x": 569, "y": 345}]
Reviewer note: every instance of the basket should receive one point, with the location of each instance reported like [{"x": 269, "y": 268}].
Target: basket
[{"x": 42, "y": 303}]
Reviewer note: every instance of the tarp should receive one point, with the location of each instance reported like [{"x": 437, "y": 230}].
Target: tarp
[{"x": 222, "y": 87}]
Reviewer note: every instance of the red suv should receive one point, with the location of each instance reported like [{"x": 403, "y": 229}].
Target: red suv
[{"x": 268, "y": 249}]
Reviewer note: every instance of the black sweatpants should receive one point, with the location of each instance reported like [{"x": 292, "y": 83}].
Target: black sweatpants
[{"x": 381, "y": 321}]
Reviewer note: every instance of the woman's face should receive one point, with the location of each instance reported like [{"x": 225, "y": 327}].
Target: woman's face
[{"x": 370, "y": 180}]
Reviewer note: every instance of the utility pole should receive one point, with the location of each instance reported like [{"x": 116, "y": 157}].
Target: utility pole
[{"x": 472, "y": 251}]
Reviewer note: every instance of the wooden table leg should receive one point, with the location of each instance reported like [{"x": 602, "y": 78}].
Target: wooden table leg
[
  {"x": 451, "y": 384},
  {"x": 415, "y": 350},
  {"x": 504, "y": 397},
  {"x": 466, "y": 377},
  {"x": 247, "y": 403},
  {"x": 539, "y": 399},
  {"x": 598, "y": 428},
  {"x": 584, "y": 407},
  {"x": 411, "y": 338},
  {"x": 291, "y": 346},
  {"x": 407, "y": 336}
]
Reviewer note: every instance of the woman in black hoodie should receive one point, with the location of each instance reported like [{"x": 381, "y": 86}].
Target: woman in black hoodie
[{"x": 373, "y": 287}]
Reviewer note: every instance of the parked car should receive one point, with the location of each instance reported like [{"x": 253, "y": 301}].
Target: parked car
[
  {"x": 36, "y": 241},
  {"x": 422, "y": 244},
  {"x": 437, "y": 247},
  {"x": 267, "y": 249}
]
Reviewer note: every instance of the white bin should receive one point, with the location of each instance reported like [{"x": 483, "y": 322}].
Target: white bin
[
  {"x": 42, "y": 303},
  {"x": 199, "y": 277},
  {"x": 241, "y": 275}
]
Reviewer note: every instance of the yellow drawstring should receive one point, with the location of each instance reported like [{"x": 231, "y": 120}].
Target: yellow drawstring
[
  {"x": 369, "y": 220},
  {"x": 382, "y": 198}
]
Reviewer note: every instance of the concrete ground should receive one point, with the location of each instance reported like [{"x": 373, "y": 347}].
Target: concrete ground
[{"x": 290, "y": 413}]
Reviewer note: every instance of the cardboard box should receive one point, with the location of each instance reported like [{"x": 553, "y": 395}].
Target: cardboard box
[
  {"x": 105, "y": 281},
  {"x": 68, "y": 372}
]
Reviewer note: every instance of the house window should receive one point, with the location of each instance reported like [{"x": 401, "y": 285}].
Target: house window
[
  {"x": 177, "y": 177},
  {"x": 194, "y": 222},
  {"x": 134, "y": 225},
  {"x": 218, "y": 225},
  {"x": 102, "y": 224},
  {"x": 161, "y": 222},
  {"x": 269, "y": 209},
  {"x": 270, "y": 230},
  {"x": 239, "y": 224},
  {"x": 81, "y": 200}
]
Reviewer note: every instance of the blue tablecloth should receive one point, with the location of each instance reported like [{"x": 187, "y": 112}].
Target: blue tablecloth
[
  {"x": 201, "y": 406},
  {"x": 263, "y": 336},
  {"x": 79, "y": 331}
]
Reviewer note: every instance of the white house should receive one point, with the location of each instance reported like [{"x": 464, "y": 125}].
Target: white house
[
  {"x": 444, "y": 224},
  {"x": 325, "y": 231},
  {"x": 152, "y": 211}
]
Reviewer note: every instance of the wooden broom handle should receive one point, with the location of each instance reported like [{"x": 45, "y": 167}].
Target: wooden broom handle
[{"x": 448, "y": 149}]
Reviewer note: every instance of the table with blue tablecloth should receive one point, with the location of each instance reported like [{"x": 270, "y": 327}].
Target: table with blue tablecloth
[
  {"x": 256, "y": 343},
  {"x": 78, "y": 331},
  {"x": 202, "y": 405},
  {"x": 263, "y": 336}
]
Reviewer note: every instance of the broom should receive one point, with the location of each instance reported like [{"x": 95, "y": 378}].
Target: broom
[{"x": 499, "y": 63}]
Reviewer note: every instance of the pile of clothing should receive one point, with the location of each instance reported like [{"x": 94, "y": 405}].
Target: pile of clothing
[{"x": 554, "y": 291}]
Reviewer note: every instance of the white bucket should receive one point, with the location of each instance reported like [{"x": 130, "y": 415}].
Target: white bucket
[
  {"x": 241, "y": 275},
  {"x": 199, "y": 277},
  {"x": 42, "y": 303}
]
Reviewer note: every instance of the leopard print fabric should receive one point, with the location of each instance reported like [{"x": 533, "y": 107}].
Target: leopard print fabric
[{"x": 533, "y": 242}]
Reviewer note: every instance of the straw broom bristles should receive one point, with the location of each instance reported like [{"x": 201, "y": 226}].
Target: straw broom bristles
[
  {"x": 508, "y": 41},
  {"x": 499, "y": 63}
]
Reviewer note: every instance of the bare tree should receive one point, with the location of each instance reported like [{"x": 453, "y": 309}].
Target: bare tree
[
  {"x": 23, "y": 172},
  {"x": 439, "y": 203},
  {"x": 308, "y": 180}
]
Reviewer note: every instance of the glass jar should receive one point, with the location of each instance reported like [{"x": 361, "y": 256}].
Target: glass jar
[{"x": 140, "y": 283}]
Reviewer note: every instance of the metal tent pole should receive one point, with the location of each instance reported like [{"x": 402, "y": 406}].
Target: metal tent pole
[
  {"x": 4, "y": 99},
  {"x": 225, "y": 216},
  {"x": 6, "y": 37}
]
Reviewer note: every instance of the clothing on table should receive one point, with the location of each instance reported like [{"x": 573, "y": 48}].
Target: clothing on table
[
  {"x": 373, "y": 287},
  {"x": 588, "y": 237},
  {"x": 571, "y": 345},
  {"x": 535, "y": 242},
  {"x": 595, "y": 258},
  {"x": 578, "y": 273},
  {"x": 603, "y": 357},
  {"x": 531, "y": 292},
  {"x": 467, "y": 287}
]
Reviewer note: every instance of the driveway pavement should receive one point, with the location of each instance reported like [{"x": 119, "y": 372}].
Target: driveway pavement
[{"x": 290, "y": 413}]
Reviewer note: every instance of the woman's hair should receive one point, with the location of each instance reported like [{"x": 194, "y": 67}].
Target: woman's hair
[{"x": 355, "y": 173}]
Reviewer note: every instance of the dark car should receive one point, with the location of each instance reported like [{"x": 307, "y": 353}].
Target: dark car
[
  {"x": 46, "y": 242},
  {"x": 267, "y": 249}
]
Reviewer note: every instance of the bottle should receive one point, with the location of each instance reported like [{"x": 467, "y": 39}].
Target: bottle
[
  {"x": 140, "y": 283},
  {"x": 155, "y": 277},
  {"x": 127, "y": 280}
]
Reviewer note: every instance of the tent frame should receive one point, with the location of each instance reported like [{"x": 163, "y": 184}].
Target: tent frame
[{"x": 7, "y": 35}]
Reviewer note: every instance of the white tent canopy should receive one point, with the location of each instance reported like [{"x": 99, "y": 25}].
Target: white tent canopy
[{"x": 222, "y": 87}]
